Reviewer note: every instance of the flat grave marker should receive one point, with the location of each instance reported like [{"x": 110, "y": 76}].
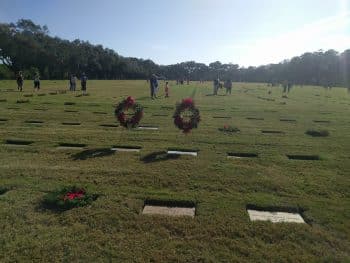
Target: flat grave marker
[
  {"x": 275, "y": 214},
  {"x": 173, "y": 151},
  {"x": 94, "y": 105},
  {"x": 68, "y": 146},
  {"x": 321, "y": 121},
  {"x": 34, "y": 122},
  {"x": 288, "y": 120},
  {"x": 169, "y": 208},
  {"x": 22, "y": 101},
  {"x": 221, "y": 117},
  {"x": 71, "y": 123},
  {"x": 240, "y": 155},
  {"x": 303, "y": 157},
  {"x": 255, "y": 118},
  {"x": 16, "y": 142},
  {"x": 271, "y": 132},
  {"x": 160, "y": 115},
  {"x": 109, "y": 125},
  {"x": 148, "y": 127},
  {"x": 118, "y": 148}
]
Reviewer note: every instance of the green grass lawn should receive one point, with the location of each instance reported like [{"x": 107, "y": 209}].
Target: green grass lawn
[{"x": 113, "y": 228}]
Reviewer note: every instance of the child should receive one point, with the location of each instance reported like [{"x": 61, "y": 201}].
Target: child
[
  {"x": 36, "y": 82},
  {"x": 167, "y": 89}
]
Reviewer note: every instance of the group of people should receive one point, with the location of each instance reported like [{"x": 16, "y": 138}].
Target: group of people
[
  {"x": 154, "y": 87},
  {"x": 218, "y": 85},
  {"x": 72, "y": 82},
  {"x": 20, "y": 81}
]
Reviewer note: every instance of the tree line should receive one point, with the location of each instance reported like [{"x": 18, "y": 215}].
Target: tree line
[{"x": 28, "y": 47}]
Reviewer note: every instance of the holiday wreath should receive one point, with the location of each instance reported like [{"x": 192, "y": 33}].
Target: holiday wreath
[
  {"x": 125, "y": 106},
  {"x": 68, "y": 197},
  {"x": 186, "y": 116}
]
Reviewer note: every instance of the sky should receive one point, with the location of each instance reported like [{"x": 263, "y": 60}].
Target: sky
[{"x": 244, "y": 32}]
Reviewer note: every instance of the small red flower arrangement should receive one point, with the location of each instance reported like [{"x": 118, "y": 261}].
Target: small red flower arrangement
[
  {"x": 68, "y": 197},
  {"x": 229, "y": 129},
  {"x": 186, "y": 116},
  {"x": 73, "y": 195},
  {"x": 129, "y": 104}
]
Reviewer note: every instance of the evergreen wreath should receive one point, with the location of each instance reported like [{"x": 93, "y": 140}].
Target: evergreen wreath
[
  {"x": 186, "y": 116},
  {"x": 126, "y": 105}
]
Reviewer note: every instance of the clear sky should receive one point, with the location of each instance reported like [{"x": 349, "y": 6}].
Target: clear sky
[{"x": 245, "y": 32}]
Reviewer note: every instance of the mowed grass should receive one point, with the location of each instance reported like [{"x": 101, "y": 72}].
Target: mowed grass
[{"x": 113, "y": 227}]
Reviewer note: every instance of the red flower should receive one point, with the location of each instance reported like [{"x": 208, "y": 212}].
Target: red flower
[
  {"x": 187, "y": 102},
  {"x": 121, "y": 117},
  {"x": 73, "y": 195},
  {"x": 130, "y": 101},
  {"x": 225, "y": 126}
]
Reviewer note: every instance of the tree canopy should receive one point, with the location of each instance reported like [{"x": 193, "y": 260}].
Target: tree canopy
[{"x": 30, "y": 48}]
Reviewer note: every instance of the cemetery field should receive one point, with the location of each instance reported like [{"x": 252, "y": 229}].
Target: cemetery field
[{"x": 37, "y": 127}]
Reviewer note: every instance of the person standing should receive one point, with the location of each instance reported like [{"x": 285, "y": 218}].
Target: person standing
[
  {"x": 228, "y": 86},
  {"x": 72, "y": 83},
  {"x": 216, "y": 84},
  {"x": 152, "y": 86},
  {"x": 20, "y": 81},
  {"x": 83, "y": 81},
  {"x": 37, "y": 82},
  {"x": 167, "y": 89}
]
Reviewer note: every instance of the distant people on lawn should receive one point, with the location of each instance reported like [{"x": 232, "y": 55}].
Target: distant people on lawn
[
  {"x": 20, "y": 81},
  {"x": 37, "y": 82},
  {"x": 167, "y": 89},
  {"x": 72, "y": 82},
  {"x": 83, "y": 81},
  {"x": 153, "y": 84},
  {"x": 228, "y": 86}
]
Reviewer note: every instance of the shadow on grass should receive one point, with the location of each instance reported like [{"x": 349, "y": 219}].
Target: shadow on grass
[
  {"x": 92, "y": 153},
  {"x": 158, "y": 156}
]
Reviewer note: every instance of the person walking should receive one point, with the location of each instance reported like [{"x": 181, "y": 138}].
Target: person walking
[
  {"x": 37, "y": 82},
  {"x": 20, "y": 81},
  {"x": 83, "y": 81}
]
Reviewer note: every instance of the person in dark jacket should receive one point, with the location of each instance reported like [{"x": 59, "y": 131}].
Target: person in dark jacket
[{"x": 20, "y": 81}]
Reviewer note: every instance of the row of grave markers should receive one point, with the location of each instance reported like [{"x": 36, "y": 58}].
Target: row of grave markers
[
  {"x": 170, "y": 151},
  {"x": 188, "y": 209},
  {"x": 272, "y": 214}
]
